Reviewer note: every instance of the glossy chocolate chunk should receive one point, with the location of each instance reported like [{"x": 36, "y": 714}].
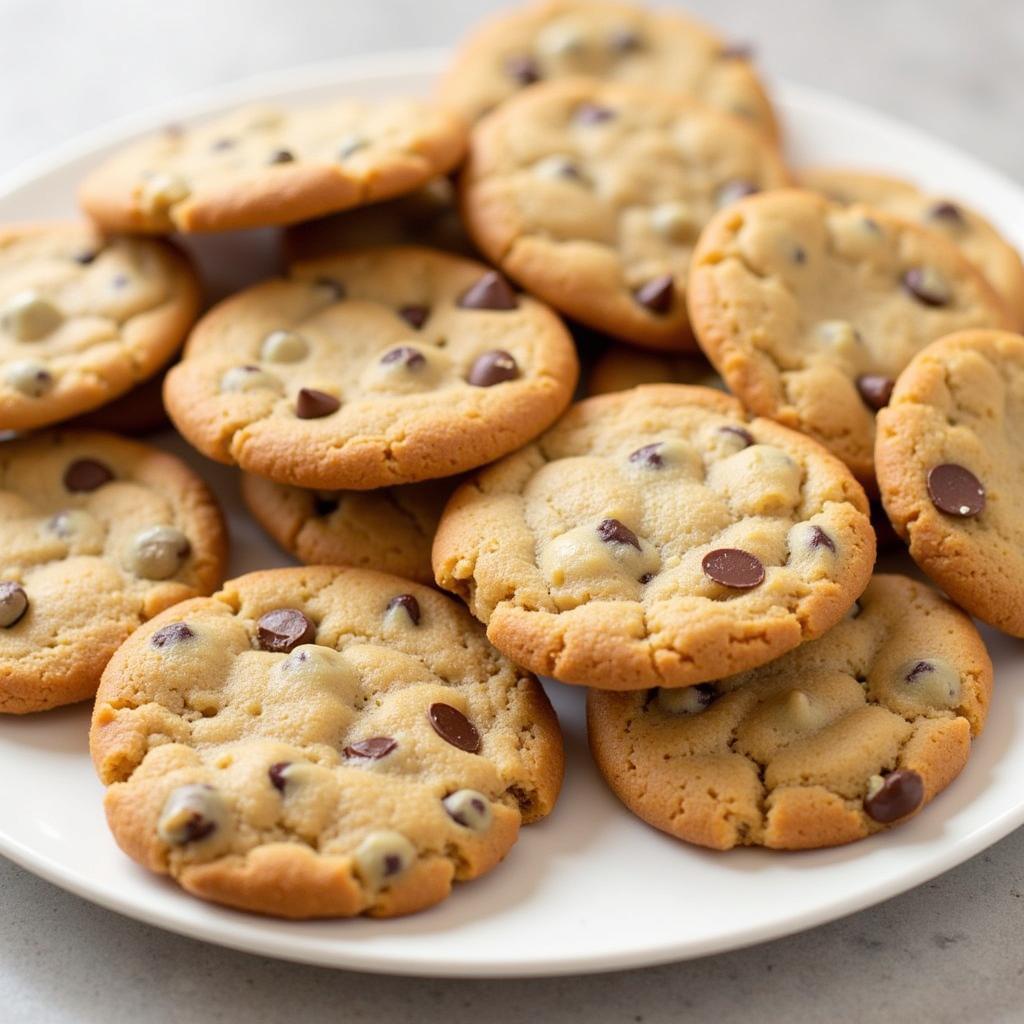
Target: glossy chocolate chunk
[
  {"x": 491, "y": 291},
  {"x": 875, "y": 389},
  {"x": 493, "y": 368},
  {"x": 406, "y": 355},
  {"x": 409, "y": 604},
  {"x": 658, "y": 294},
  {"x": 284, "y": 629},
  {"x": 733, "y": 567},
  {"x": 611, "y": 531},
  {"x": 820, "y": 539},
  {"x": 901, "y": 792},
  {"x": 454, "y": 727},
  {"x": 313, "y": 405},
  {"x": 171, "y": 634},
  {"x": 955, "y": 490},
  {"x": 415, "y": 316},
  {"x": 13, "y": 603},
  {"x": 84, "y": 475},
  {"x": 276, "y": 774},
  {"x": 373, "y": 748}
]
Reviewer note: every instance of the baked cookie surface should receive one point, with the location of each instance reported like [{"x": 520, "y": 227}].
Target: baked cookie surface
[
  {"x": 97, "y": 535},
  {"x": 810, "y": 309},
  {"x": 975, "y": 236},
  {"x": 949, "y": 460},
  {"x": 390, "y": 529},
  {"x": 849, "y": 734},
  {"x": 553, "y": 39},
  {"x": 84, "y": 319},
  {"x": 260, "y": 166},
  {"x": 321, "y": 742},
  {"x": 657, "y": 537},
  {"x": 372, "y": 368},
  {"x": 620, "y": 367},
  {"x": 592, "y": 194}
]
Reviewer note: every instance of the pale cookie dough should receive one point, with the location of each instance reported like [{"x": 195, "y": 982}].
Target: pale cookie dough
[
  {"x": 372, "y": 368},
  {"x": 976, "y": 238},
  {"x": 84, "y": 319},
  {"x": 950, "y": 461},
  {"x": 657, "y": 537},
  {"x": 321, "y": 743},
  {"x": 390, "y": 529},
  {"x": 810, "y": 309},
  {"x": 552, "y": 39},
  {"x": 97, "y": 535},
  {"x": 850, "y": 734},
  {"x": 620, "y": 367},
  {"x": 592, "y": 195},
  {"x": 429, "y": 216},
  {"x": 260, "y": 166}
]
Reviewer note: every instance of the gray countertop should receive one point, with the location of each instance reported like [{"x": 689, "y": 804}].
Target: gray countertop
[{"x": 948, "y": 951}]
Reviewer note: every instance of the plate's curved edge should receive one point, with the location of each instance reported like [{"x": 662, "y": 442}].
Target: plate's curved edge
[{"x": 239, "y": 935}]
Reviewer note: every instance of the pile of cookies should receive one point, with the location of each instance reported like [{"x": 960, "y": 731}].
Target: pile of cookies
[{"x": 769, "y": 353}]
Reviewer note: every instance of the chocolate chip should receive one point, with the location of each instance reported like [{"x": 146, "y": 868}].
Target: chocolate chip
[
  {"x": 454, "y": 727},
  {"x": 733, "y": 191},
  {"x": 648, "y": 456},
  {"x": 325, "y": 506},
  {"x": 13, "y": 603},
  {"x": 955, "y": 490},
  {"x": 744, "y": 435},
  {"x": 706, "y": 693},
  {"x": 593, "y": 113},
  {"x": 799, "y": 254},
  {"x": 917, "y": 669},
  {"x": 118, "y": 281},
  {"x": 409, "y": 603},
  {"x": 492, "y": 291},
  {"x": 611, "y": 531},
  {"x": 875, "y": 389},
  {"x": 820, "y": 539},
  {"x": 220, "y": 145},
  {"x": 191, "y": 813},
  {"x": 901, "y": 792},
  {"x": 926, "y": 286},
  {"x": 523, "y": 68},
  {"x": 392, "y": 864},
  {"x": 374, "y": 748},
  {"x": 85, "y": 257},
  {"x": 336, "y": 288},
  {"x": 492, "y": 368},
  {"x": 415, "y": 316},
  {"x": 276, "y": 773},
  {"x": 408, "y": 356},
  {"x": 172, "y": 633},
  {"x": 657, "y": 294},
  {"x": 85, "y": 475},
  {"x": 312, "y": 404},
  {"x": 469, "y": 808},
  {"x": 283, "y": 629},
  {"x": 625, "y": 40},
  {"x": 281, "y": 156},
  {"x": 737, "y": 51},
  {"x": 948, "y": 212},
  {"x": 646, "y": 578},
  {"x": 734, "y": 568}
]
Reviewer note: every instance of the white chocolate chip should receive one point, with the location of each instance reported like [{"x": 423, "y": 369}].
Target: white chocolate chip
[
  {"x": 28, "y": 377},
  {"x": 192, "y": 814},
  {"x": 250, "y": 378},
  {"x": 561, "y": 38},
  {"x": 284, "y": 347},
  {"x": 161, "y": 191},
  {"x": 351, "y": 144},
  {"x": 875, "y": 784},
  {"x": 322, "y": 670},
  {"x": 469, "y": 808},
  {"x": 673, "y": 220},
  {"x": 383, "y": 856},
  {"x": 930, "y": 681},
  {"x": 157, "y": 552},
  {"x": 685, "y": 700},
  {"x": 83, "y": 532},
  {"x": 29, "y": 316}
]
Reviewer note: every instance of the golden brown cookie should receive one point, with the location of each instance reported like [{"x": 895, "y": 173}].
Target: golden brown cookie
[
  {"x": 949, "y": 461},
  {"x": 848, "y": 735},
  {"x": 97, "y": 535},
  {"x": 321, "y": 742},
  {"x": 657, "y": 537},
  {"x": 372, "y": 368}
]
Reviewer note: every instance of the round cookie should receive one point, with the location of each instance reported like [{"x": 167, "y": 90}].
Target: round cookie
[
  {"x": 844, "y": 737},
  {"x": 429, "y": 216},
  {"x": 84, "y": 319},
  {"x": 553, "y": 39},
  {"x": 976, "y": 238},
  {"x": 260, "y": 166},
  {"x": 657, "y": 537},
  {"x": 390, "y": 529},
  {"x": 949, "y": 463},
  {"x": 321, "y": 743},
  {"x": 592, "y": 195},
  {"x": 97, "y": 535},
  {"x": 621, "y": 367},
  {"x": 810, "y": 309},
  {"x": 372, "y": 368}
]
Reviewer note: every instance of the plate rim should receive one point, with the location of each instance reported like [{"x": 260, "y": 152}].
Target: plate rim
[{"x": 237, "y": 932}]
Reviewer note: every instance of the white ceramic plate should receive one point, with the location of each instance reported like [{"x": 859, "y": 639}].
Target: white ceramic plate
[{"x": 591, "y": 888}]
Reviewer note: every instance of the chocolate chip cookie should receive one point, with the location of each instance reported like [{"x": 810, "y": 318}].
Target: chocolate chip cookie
[
  {"x": 552, "y": 39},
  {"x": 260, "y": 166},
  {"x": 620, "y": 367},
  {"x": 976, "y": 238},
  {"x": 390, "y": 529},
  {"x": 810, "y": 309},
  {"x": 846, "y": 736},
  {"x": 97, "y": 535},
  {"x": 372, "y": 368},
  {"x": 592, "y": 195},
  {"x": 657, "y": 537},
  {"x": 949, "y": 462},
  {"x": 83, "y": 318},
  {"x": 321, "y": 743}
]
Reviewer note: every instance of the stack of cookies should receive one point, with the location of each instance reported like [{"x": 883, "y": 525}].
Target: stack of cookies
[{"x": 768, "y": 353}]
